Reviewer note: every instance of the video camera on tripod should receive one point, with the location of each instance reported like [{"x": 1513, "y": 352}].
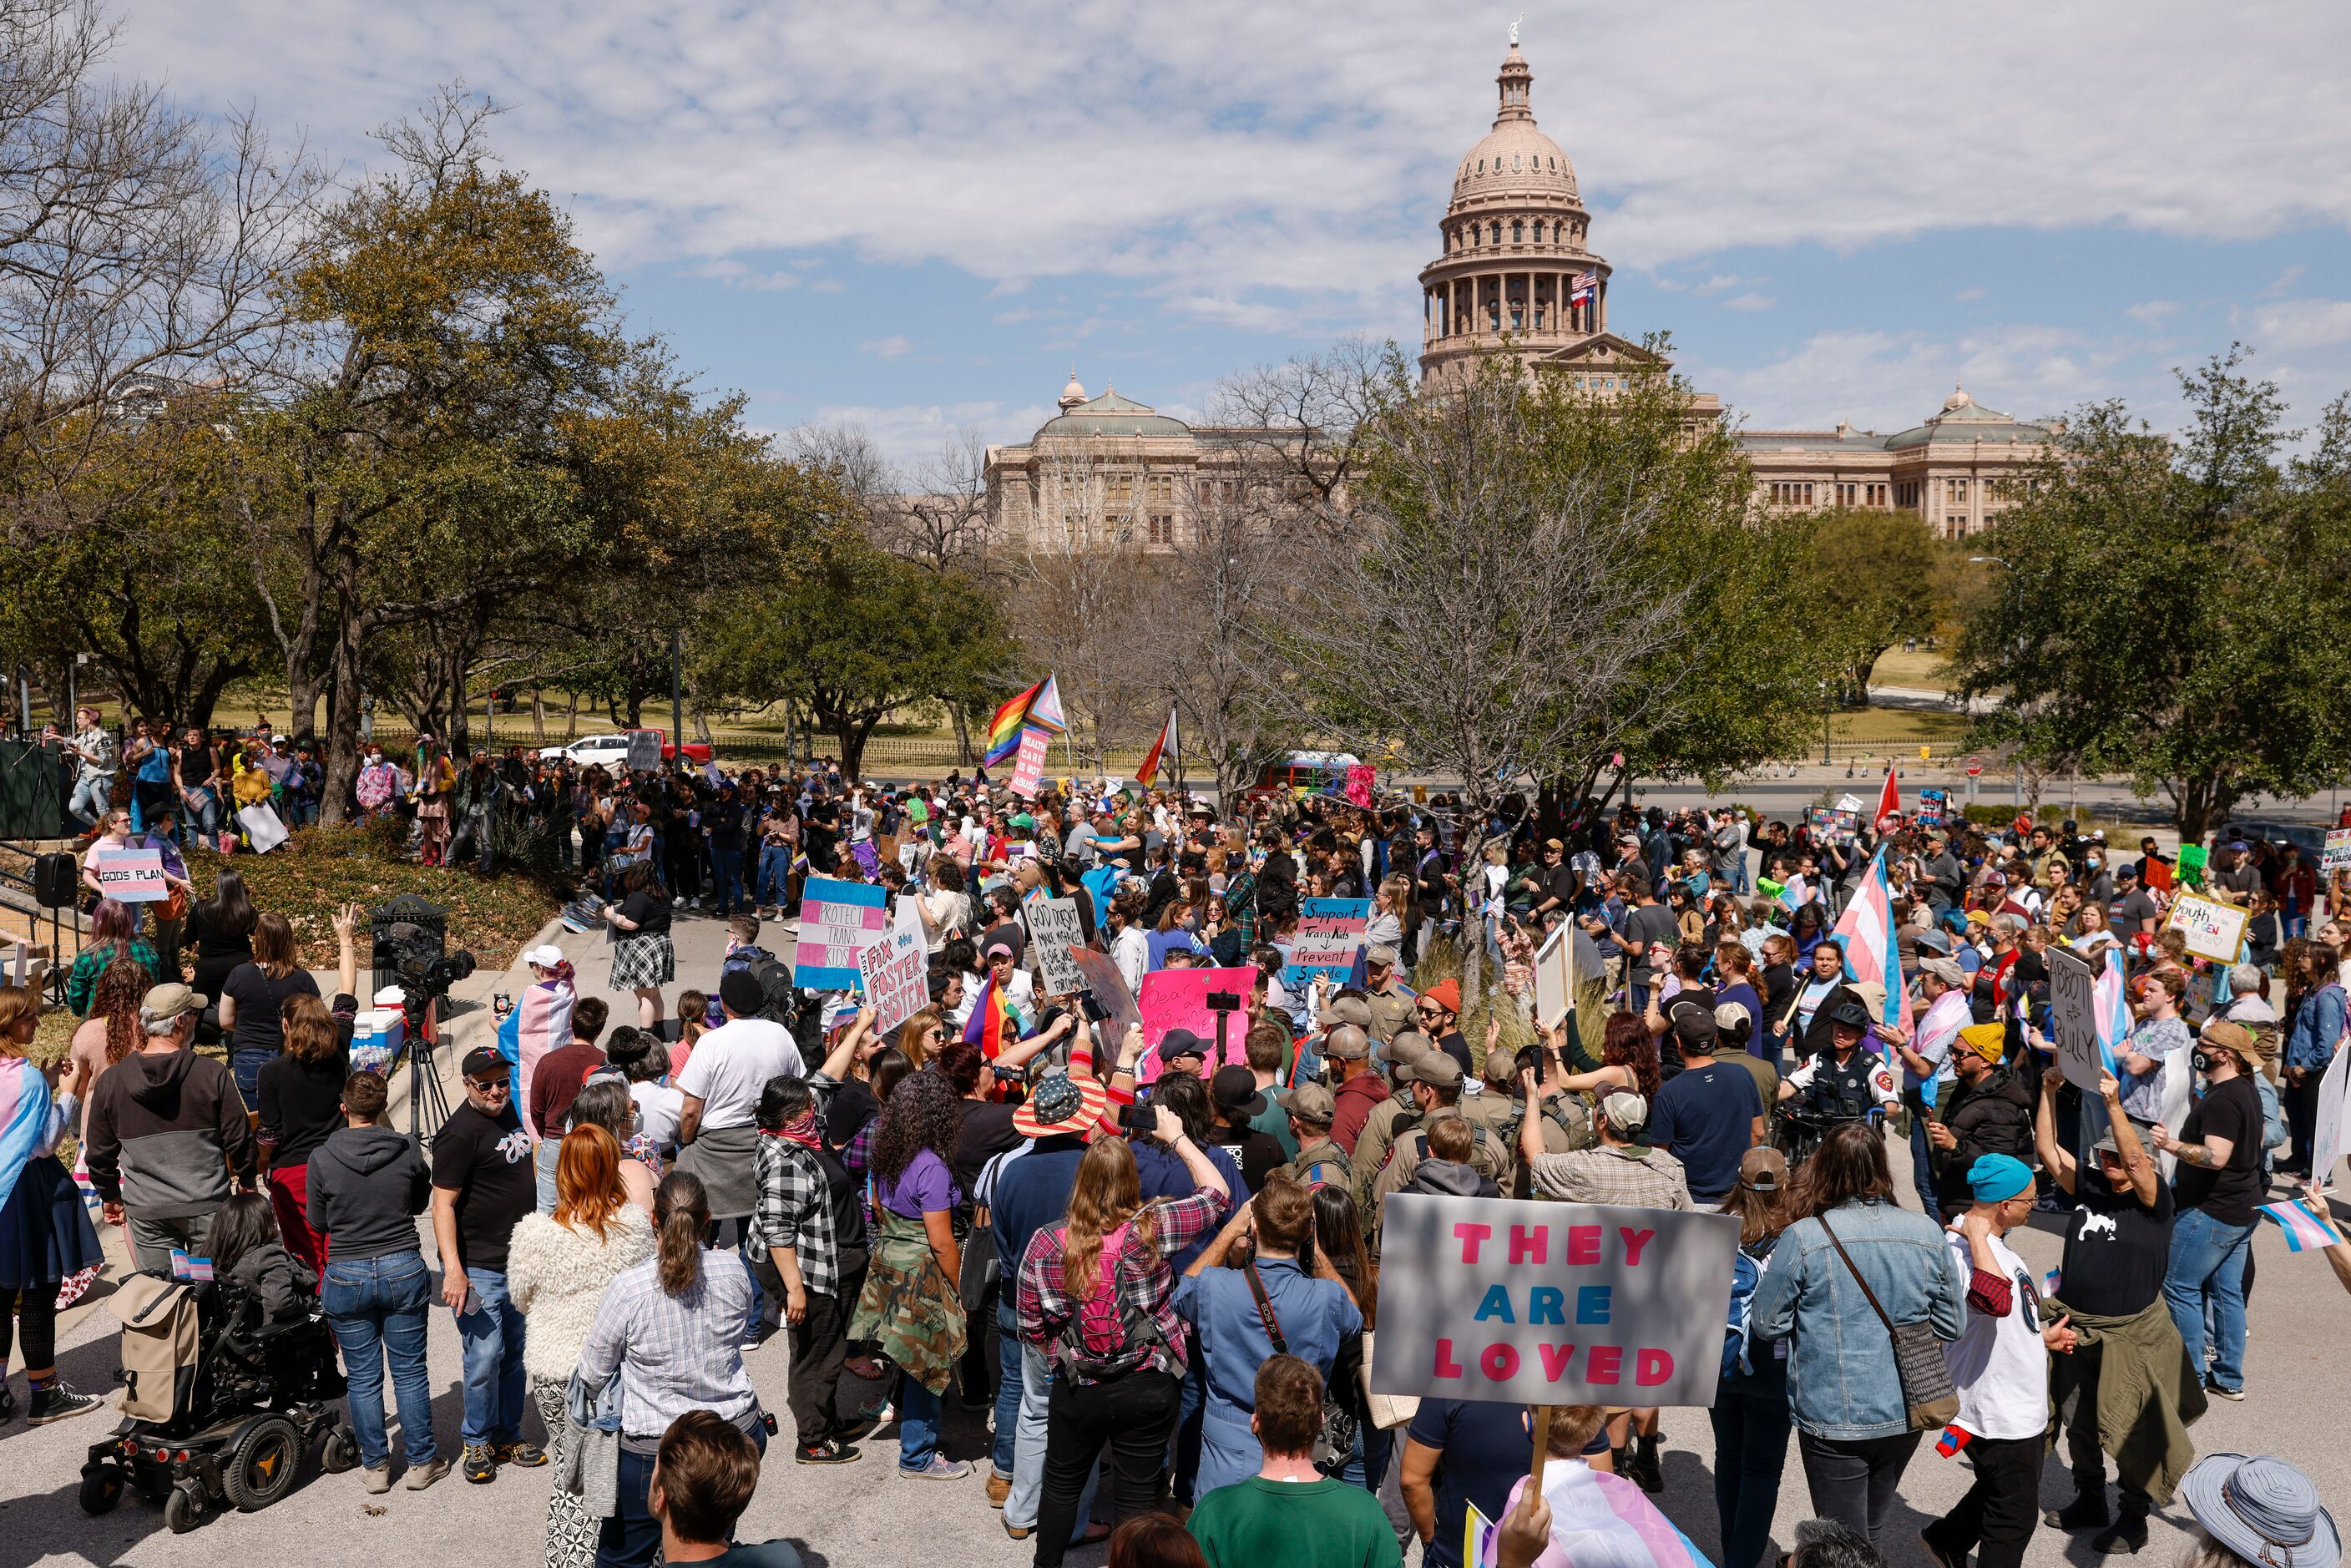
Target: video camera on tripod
[{"x": 411, "y": 940}]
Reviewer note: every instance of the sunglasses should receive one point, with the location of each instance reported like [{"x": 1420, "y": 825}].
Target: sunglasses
[{"x": 490, "y": 1086}]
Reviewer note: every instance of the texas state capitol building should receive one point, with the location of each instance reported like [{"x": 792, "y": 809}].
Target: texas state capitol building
[{"x": 1516, "y": 273}]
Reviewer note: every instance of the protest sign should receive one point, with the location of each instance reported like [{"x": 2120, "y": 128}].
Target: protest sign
[
  {"x": 1029, "y": 766},
  {"x": 133, "y": 876},
  {"x": 2213, "y": 930},
  {"x": 1178, "y": 998},
  {"x": 1834, "y": 822},
  {"x": 644, "y": 751},
  {"x": 1556, "y": 976},
  {"x": 2338, "y": 850},
  {"x": 1054, "y": 928},
  {"x": 1330, "y": 934},
  {"x": 867, "y": 856},
  {"x": 1117, "y": 1004},
  {"x": 1361, "y": 777},
  {"x": 895, "y": 973},
  {"x": 838, "y": 921},
  {"x": 2073, "y": 1006},
  {"x": 2333, "y": 1133},
  {"x": 1552, "y": 1303}
]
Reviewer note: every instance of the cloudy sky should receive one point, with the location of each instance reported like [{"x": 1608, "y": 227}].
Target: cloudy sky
[{"x": 919, "y": 216}]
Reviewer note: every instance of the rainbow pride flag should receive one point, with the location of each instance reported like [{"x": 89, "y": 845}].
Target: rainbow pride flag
[
  {"x": 1039, "y": 705},
  {"x": 993, "y": 1022}
]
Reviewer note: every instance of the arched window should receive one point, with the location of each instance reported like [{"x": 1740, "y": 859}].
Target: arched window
[
  {"x": 1498, "y": 231},
  {"x": 1557, "y": 230},
  {"x": 1518, "y": 232}
]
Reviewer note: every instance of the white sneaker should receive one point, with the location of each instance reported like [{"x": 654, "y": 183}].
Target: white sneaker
[{"x": 678, "y": 903}]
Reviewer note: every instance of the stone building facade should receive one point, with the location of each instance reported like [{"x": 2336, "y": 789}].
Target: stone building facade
[{"x": 1515, "y": 273}]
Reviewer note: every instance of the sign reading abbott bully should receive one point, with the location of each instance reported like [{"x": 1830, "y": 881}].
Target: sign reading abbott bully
[{"x": 1552, "y": 1303}]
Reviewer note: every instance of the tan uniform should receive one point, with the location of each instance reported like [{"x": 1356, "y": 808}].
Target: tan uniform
[{"x": 1391, "y": 1012}]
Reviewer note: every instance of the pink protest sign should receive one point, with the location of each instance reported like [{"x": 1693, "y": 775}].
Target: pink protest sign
[
  {"x": 1360, "y": 779},
  {"x": 1178, "y": 998},
  {"x": 1029, "y": 766}
]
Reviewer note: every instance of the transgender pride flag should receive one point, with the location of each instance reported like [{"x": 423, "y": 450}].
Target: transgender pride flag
[
  {"x": 2110, "y": 1007},
  {"x": 1865, "y": 933},
  {"x": 2306, "y": 1229}
]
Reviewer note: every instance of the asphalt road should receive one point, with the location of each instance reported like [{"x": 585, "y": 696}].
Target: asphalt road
[{"x": 866, "y": 1515}]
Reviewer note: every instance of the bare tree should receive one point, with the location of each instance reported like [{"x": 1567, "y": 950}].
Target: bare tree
[
  {"x": 1303, "y": 420},
  {"x": 1485, "y": 602},
  {"x": 1227, "y": 568},
  {"x": 1082, "y": 601},
  {"x": 138, "y": 249}
]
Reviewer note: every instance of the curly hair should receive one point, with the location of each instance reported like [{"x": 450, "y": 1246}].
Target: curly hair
[
  {"x": 1625, "y": 1042},
  {"x": 921, "y": 1113},
  {"x": 121, "y": 987}
]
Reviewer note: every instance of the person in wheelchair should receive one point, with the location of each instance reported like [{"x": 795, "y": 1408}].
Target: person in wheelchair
[{"x": 248, "y": 1250}]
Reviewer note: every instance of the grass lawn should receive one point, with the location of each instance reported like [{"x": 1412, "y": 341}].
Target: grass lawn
[{"x": 1922, "y": 671}]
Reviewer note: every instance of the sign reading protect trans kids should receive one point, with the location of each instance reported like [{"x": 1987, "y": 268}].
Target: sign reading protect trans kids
[{"x": 1552, "y": 1303}]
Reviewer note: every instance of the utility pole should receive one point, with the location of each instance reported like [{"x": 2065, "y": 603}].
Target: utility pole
[{"x": 677, "y": 691}]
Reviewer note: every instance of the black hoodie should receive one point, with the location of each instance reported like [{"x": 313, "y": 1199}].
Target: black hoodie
[
  {"x": 1993, "y": 1116},
  {"x": 366, "y": 1188}
]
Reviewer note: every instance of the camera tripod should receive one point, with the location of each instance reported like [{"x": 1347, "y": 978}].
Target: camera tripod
[{"x": 428, "y": 1103}]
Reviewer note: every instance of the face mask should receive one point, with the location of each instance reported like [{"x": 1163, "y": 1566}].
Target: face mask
[{"x": 2205, "y": 1061}]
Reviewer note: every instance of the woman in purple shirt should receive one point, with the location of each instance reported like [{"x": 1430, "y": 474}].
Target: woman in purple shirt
[{"x": 911, "y": 1304}]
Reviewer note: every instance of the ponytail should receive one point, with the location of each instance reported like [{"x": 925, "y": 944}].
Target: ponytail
[{"x": 680, "y": 1214}]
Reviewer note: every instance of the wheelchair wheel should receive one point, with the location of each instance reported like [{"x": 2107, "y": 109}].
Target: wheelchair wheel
[
  {"x": 263, "y": 1464},
  {"x": 341, "y": 1451},
  {"x": 101, "y": 1488},
  {"x": 184, "y": 1508}
]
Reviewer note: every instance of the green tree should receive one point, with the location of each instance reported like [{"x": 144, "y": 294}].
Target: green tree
[
  {"x": 2165, "y": 608},
  {"x": 1870, "y": 577},
  {"x": 853, "y": 634}
]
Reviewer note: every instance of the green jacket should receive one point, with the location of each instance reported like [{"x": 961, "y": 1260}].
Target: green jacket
[{"x": 2148, "y": 1393}]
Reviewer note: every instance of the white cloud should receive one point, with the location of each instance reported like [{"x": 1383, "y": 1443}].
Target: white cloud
[
  {"x": 1218, "y": 152},
  {"x": 2153, "y": 313},
  {"x": 912, "y": 433},
  {"x": 2294, "y": 324},
  {"x": 1966, "y": 295},
  {"x": 895, "y": 346},
  {"x": 1748, "y": 301},
  {"x": 1889, "y": 382}
]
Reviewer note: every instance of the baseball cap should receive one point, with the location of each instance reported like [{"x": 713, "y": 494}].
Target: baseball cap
[
  {"x": 1694, "y": 1028},
  {"x": 1347, "y": 1010},
  {"x": 1308, "y": 1102},
  {"x": 740, "y": 993},
  {"x": 1626, "y": 1110},
  {"x": 1178, "y": 1043},
  {"x": 1763, "y": 1170},
  {"x": 1502, "y": 1065},
  {"x": 171, "y": 1000},
  {"x": 482, "y": 1062},
  {"x": 1730, "y": 1015},
  {"x": 999, "y": 947},
  {"x": 1347, "y": 1043},
  {"x": 1235, "y": 1090},
  {"x": 547, "y": 955},
  {"x": 1944, "y": 969},
  {"x": 1435, "y": 1068},
  {"x": 1380, "y": 953},
  {"x": 1554, "y": 844}
]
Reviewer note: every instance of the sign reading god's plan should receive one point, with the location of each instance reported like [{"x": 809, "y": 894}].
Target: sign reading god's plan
[{"x": 1552, "y": 1303}]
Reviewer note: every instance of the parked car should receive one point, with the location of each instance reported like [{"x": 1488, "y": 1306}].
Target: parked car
[
  {"x": 2309, "y": 839},
  {"x": 610, "y": 751}
]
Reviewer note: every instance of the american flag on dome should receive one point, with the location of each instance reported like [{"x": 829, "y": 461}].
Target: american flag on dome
[
  {"x": 1865, "y": 932},
  {"x": 1580, "y": 287}
]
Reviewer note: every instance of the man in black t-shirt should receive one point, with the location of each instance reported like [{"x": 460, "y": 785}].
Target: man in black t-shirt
[
  {"x": 2117, "y": 1245},
  {"x": 483, "y": 1184},
  {"x": 2219, "y": 1148}
]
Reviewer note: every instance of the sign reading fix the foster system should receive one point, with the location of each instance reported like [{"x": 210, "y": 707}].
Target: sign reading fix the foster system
[{"x": 1552, "y": 1303}]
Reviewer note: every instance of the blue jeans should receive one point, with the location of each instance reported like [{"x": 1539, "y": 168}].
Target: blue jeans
[
  {"x": 632, "y": 1537},
  {"x": 247, "y": 1065},
  {"x": 2208, "y": 1263},
  {"x": 726, "y": 873},
  {"x": 1368, "y": 1465},
  {"x": 491, "y": 1338},
  {"x": 203, "y": 809},
  {"x": 1922, "y": 1166},
  {"x": 1750, "y": 1450},
  {"x": 91, "y": 795},
  {"x": 378, "y": 1308},
  {"x": 1008, "y": 1387},
  {"x": 775, "y": 872},
  {"x": 918, "y": 1424}
]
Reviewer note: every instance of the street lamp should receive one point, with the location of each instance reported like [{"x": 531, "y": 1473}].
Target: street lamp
[{"x": 1824, "y": 724}]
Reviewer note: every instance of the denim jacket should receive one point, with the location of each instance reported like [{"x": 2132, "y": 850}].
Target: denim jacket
[
  {"x": 1842, "y": 1382},
  {"x": 2317, "y": 1025}
]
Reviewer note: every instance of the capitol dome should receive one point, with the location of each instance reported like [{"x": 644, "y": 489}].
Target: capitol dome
[{"x": 1515, "y": 159}]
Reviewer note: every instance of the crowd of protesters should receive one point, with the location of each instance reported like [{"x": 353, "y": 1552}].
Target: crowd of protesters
[{"x": 1168, "y": 1294}]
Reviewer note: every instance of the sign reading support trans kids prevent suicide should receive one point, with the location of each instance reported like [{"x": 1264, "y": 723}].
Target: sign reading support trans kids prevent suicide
[{"x": 1552, "y": 1303}]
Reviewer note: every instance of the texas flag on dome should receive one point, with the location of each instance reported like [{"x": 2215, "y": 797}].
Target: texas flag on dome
[{"x": 1865, "y": 933}]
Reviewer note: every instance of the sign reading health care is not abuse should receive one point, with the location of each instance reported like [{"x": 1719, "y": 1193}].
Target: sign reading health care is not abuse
[
  {"x": 839, "y": 920},
  {"x": 1552, "y": 1303}
]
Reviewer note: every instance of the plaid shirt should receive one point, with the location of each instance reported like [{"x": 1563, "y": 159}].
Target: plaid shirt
[
  {"x": 1144, "y": 1281},
  {"x": 1635, "y": 1178},
  {"x": 1240, "y": 906},
  {"x": 796, "y": 1211}
]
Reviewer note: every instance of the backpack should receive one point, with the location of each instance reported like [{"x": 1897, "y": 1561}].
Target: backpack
[
  {"x": 1106, "y": 1330},
  {"x": 775, "y": 977},
  {"x": 159, "y": 1345},
  {"x": 1746, "y": 1273}
]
